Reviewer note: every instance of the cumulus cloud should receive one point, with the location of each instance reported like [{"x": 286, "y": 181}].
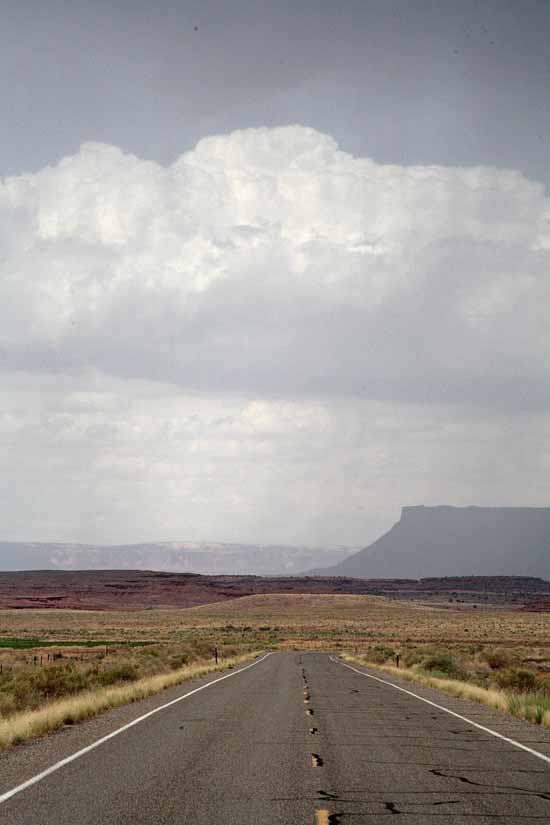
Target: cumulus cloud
[
  {"x": 270, "y": 262},
  {"x": 269, "y": 340}
]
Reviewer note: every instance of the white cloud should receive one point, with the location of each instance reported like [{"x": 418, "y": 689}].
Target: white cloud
[
  {"x": 269, "y": 261},
  {"x": 269, "y": 340}
]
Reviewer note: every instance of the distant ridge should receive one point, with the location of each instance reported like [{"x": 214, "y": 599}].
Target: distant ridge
[
  {"x": 213, "y": 558},
  {"x": 456, "y": 541}
]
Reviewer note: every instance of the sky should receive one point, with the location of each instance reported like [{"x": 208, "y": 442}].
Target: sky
[{"x": 268, "y": 275}]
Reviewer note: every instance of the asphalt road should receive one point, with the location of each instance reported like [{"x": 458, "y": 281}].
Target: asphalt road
[{"x": 297, "y": 738}]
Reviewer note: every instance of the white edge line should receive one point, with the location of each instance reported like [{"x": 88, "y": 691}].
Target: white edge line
[
  {"x": 53, "y": 768},
  {"x": 447, "y": 710}
]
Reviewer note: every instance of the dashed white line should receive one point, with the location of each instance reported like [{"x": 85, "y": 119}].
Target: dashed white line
[
  {"x": 53, "y": 768},
  {"x": 447, "y": 710}
]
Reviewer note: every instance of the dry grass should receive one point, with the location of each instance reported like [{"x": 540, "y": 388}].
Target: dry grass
[
  {"x": 294, "y": 619},
  {"x": 54, "y": 715},
  {"x": 521, "y": 706}
]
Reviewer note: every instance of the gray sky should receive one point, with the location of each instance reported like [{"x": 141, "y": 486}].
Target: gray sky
[
  {"x": 403, "y": 82},
  {"x": 267, "y": 274}
]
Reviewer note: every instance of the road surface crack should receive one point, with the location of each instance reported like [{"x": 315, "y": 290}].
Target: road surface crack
[
  {"x": 466, "y": 781},
  {"x": 327, "y": 795}
]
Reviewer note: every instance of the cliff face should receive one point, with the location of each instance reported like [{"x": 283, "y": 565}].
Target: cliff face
[{"x": 457, "y": 541}]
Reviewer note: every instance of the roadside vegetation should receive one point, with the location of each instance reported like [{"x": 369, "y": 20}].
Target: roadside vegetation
[
  {"x": 515, "y": 680},
  {"x": 67, "y": 688}
]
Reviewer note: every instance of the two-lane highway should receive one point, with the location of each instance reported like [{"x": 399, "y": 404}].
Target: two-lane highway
[{"x": 296, "y": 738}]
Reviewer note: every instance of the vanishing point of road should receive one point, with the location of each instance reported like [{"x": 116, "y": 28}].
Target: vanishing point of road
[{"x": 293, "y": 738}]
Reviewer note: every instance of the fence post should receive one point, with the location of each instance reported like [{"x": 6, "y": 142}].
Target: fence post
[
  {"x": 397, "y": 660},
  {"x": 216, "y": 653}
]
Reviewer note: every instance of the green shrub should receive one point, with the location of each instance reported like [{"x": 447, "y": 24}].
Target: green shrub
[
  {"x": 477, "y": 677},
  {"x": 443, "y": 663},
  {"x": 381, "y": 653},
  {"x": 517, "y": 678},
  {"x": 411, "y": 657},
  {"x": 59, "y": 680},
  {"x": 120, "y": 673}
]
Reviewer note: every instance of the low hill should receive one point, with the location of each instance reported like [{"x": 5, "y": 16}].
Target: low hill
[
  {"x": 457, "y": 541},
  {"x": 145, "y": 589}
]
